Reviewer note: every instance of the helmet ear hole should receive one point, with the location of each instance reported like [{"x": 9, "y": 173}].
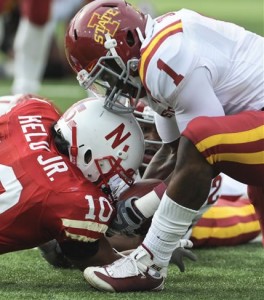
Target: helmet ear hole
[
  {"x": 130, "y": 38},
  {"x": 75, "y": 35},
  {"x": 88, "y": 156}
]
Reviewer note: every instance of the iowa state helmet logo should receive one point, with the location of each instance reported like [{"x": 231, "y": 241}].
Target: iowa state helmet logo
[{"x": 103, "y": 24}]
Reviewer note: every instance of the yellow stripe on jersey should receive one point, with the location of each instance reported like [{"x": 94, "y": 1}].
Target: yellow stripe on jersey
[
  {"x": 243, "y": 158},
  {"x": 79, "y": 237},
  {"x": 87, "y": 225},
  {"x": 241, "y": 137},
  {"x": 225, "y": 232},
  {"x": 251, "y": 135},
  {"x": 220, "y": 212},
  {"x": 153, "y": 43}
]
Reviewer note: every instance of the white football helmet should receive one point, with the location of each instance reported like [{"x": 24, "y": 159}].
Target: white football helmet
[{"x": 102, "y": 144}]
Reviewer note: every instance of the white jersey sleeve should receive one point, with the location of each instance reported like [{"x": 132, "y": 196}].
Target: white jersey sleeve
[
  {"x": 167, "y": 128},
  {"x": 196, "y": 98},
  {"x": 206, "y": 104}
]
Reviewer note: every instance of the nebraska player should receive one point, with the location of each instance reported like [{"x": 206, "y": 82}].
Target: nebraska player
[{"x": 44, "y": 191}]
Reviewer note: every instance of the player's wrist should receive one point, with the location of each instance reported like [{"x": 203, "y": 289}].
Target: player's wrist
[{"x": 148, "y": 204}]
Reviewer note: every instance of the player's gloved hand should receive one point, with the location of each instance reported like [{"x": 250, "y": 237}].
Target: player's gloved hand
[
  {"x": 128, "y": 218},
  {"x": 181, "y": 252},
  {"x": 51, "y": 252}
]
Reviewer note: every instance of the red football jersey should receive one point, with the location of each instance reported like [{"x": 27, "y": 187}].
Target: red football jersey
[{"x": 43, "y": 196}]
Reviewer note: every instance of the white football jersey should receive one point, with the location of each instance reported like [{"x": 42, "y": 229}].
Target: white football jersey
[{"x": 193, "y": 65}]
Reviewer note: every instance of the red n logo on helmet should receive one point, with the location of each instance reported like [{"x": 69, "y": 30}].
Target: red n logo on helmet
[{"x": 117, "y": 133}]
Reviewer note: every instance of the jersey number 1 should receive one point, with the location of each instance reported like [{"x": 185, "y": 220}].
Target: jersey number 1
[{"x": 177, "y": 78}]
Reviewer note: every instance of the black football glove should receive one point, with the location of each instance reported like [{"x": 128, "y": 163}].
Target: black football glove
[
  {"x": 181, "y": 252},
  {"x": 128, "y": 218}
]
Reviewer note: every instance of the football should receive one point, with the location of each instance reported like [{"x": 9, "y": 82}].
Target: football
[{"x": 139, "y": 188}]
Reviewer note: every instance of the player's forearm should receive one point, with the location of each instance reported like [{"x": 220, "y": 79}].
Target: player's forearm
[
  {"x": 191, "y": 180},
  {"x": 162, "y": 163}
]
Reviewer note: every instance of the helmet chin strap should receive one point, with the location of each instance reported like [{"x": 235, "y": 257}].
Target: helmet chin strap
[
  {"x": 110, "y": 45},
  {"x": 74, "y": 148},
  {"x": 140, "y": 35}
]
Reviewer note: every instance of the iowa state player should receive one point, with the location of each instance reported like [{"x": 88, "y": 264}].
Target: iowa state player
[{"x": 47, "y": 170}]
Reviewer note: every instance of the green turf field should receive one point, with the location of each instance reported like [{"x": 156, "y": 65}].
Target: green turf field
[
  {"x": 62, "y": 92},
  {"x": 230, "y": 273}
]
